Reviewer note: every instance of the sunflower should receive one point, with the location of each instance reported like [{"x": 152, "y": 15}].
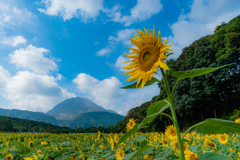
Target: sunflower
[
  {"x": 112, "y": 143},
  {"x": 40, "y": 152},
  {"x": 155, "y": 138},
  {"x": 34, "y": 156},
  {"x": 30, "y": 144},
  {"x": 130, "y": 124},
  {"x": 171, "y": 132},
  {"x": 44, "y": 143},
  {"x": 223, "y": 138},
  {"x": 148, "y": 157},
  {"x": 123, "y": 145},
  {"x": 210, "y": 143},
  {"x": 190, "y": 155},
  {"x": 147, "y": 57},
  {"x": 27, "y": 158},
  {"x": 175, "y": 146},
  {"x": 116, "y": 138},
  {"x": 9, "y": 157},
  {"x": 99, "y": 135},
  {"x": 119, "y": 154},
  {"x": 164, "y": 142},
  {"x": 237, "y": 120}
]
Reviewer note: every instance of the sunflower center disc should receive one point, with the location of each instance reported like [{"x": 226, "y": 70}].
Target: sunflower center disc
[{"x": 146, "y": 56}]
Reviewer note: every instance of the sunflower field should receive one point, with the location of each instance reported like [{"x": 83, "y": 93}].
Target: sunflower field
[{"x": 46, "y": 146}]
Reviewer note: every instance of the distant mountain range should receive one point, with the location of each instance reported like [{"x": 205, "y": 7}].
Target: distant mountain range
[{"x": 80, "y": 112}]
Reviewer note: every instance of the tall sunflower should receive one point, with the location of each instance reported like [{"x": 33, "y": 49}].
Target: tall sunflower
[
  {"x": 171, "y": 132},
  {"x": 147, "y": 57}
]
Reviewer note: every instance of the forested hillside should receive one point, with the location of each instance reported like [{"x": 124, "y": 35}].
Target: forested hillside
[{"x": 214, "y": 95}]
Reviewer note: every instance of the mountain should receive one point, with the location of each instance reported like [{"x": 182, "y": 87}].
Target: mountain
[
  {"x": 70, "y": 108},
  {"x": 93, "y": 119},
  {"x": 29, "y": 115}
]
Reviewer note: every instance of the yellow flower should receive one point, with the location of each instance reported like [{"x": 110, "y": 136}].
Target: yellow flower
[
  {"x": 155, "y": 138},
  {"x": 119, "y": 154},
  {"x": 123, "y": 145},
  {"x": 102, "y": 146},
  {"x": 116, "y": 138},
  {"x": 44, "y": 143},
  {"x": 210, "y": 143},
  {"x": 30, "y": 144},
  {"x": 34, "y": 156},
  {"x": 223, "y": 138},
  {"x": 148, "y": 157},
  {"x": 27, "y": 158},
  {"x": 99, "y": 135},
  {"x": 190, "y": 155},
  {"x": 9, "y": 157},
  {"x": 148, "y": 56},
  {"x": 73, "y": 158},
  {"x": 112, "y": 143},
  {"x": 130, "y": 124},
  {"x": 40, "y": 152},
  {"x": 237, "y": 120},
  {"x": 171, "y": 132},
  {"x": 164, "y": 142}
]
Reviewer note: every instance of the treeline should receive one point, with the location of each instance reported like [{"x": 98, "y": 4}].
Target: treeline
[{"x": 12, "y": 124}]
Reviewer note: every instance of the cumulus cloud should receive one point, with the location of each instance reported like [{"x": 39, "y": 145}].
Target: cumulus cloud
[
  {"x": 32, "y": 58},
  {"x": 108, "y": 94},
  {"x": 4, "y": 77},
  {"x": 122, "y": 36},
  {"x": 34, "y": 92},
  {"x": 197, "y": 23},
  {"x": 103, "y": 52},
  {"x": 83, "y": 9},
  {"x": 13, "y": 41},
  {"x": 143, "y": 10},
  {"x": 119, "y": 63}
]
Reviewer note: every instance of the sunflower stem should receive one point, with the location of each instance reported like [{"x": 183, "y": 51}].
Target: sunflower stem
[{"x": 179, "y": 139}]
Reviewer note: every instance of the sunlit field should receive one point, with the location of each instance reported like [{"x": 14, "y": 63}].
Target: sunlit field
[{"x": 103, "y": 146}]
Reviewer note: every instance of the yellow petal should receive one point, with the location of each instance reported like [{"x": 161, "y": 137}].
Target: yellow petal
[
  {"x": 132, "y": 56},
  {"x": 133, "y": 78},
  {"x": 134, "y": 49},
  {"x": 136, "y": 37},
  {"x": 163, "y": 65},
  {"x": 137, "y": 44},
  {"x": 154, "y": 34}
]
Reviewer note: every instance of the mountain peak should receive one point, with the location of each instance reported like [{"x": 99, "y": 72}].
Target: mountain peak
[{"x": 71, "y": 107}]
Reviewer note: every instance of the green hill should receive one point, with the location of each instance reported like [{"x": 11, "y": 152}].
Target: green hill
[
  {"x": 29, "y": 115},
  {"x": 95, "y": 119},
  {"x": 23, "y": 125}
]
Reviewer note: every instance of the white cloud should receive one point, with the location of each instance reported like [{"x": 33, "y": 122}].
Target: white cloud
[
  {"x": 108, "y": 94},
  {"x": 143, "y": 10},
  {"x": 33, "y": 58},
  {"x": 13, "y": 41},
  {"x": 4, "y": 77},
  {"x": 119, "y": 63},
  {"x": 197, "y": 23},
  {"x": 30, "y": 91},
  {"x": 122, "y": 36},
  {"x": 83, "y": 9},
  {"x": 103, "y": 52}
]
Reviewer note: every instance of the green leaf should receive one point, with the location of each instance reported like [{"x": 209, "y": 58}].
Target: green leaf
[
  {"x": 213, "y": 156},
  {"x": 128, "y": 156},
  {"x": 134, "y": 85},
  {"x": 193, "y": 148},
  {"x": 141, "y": 150},
  {"x": 168, "y": 54},
  {"x": 140, "y": 138},
  {"x": 151, "y": 117},
  {"x": 155, "y": 107},
  {"x": 217, "y": 126},
  {"x": 196, "y": 72},
  {"x": 129, "y": 133}
]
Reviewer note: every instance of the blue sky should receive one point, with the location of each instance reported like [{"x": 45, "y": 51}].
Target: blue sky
[{"x": 51, "y": 50}]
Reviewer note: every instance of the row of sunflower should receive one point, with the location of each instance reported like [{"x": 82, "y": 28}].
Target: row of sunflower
[{"x": 34, "y": 146}]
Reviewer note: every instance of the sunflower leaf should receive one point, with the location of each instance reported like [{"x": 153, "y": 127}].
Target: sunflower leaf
[
  {"x": 139, "y": 152},
  {"x": 196, "y": 72},
  {"x": 217, "y": 126},
  {"x": 156, "y": 107},
  {"x": 213, "y": 156},
  {"x": 134, "y": 85},
  {"x": 168, "y": 54},
  {"x": 129, "y": 133}
]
